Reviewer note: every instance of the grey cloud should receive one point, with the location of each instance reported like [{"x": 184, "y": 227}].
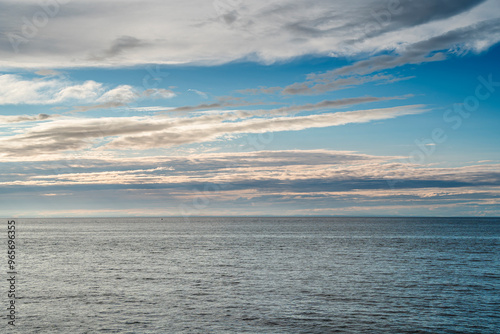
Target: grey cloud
[
  {"x": 411, "y": 13},
  {"x": 260, "y": 90},
  {"x": 203, "y": 106},
  {"x": 286, "y": 110},
  {"x": 329, "y": 104},
  {"x": 118, "y": 46},
  {"x": 325, "y": 180},
  {"x": 483, "y": 32},
  {"x": 377, "y": 17},
  {"x": 417, "y": 53},
  {"x": 25, "y": 118},
  {"x": 227, "y": 102},
  {"x": 204, "y": 164},
  {"x": 106, "y": 105},
  {"x": 302, "y": 172},
  {"x": 381, "y": 15},
  {"x": 323, "y": 86},
  {"x": 421, "y": 52},
  {"x": 379, "y": 63}
]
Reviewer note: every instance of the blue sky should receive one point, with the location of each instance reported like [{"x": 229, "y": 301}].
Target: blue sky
[{"x": 160, "y": 108}]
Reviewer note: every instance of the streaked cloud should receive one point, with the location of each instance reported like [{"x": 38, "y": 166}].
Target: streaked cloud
[
  {"x": 140, "y": 32},
  {"x": 303, "y": 181},
  {"x": 324, "y": 171},
  {"x": 202, "y": 94},
  {"x": 24, "y": 118},
  {"x": 156, "y": 131}
]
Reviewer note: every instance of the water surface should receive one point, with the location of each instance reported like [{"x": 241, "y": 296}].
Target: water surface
[{"x": 259, "y": 275}]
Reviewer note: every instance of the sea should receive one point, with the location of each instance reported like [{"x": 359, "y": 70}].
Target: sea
[{"x": 255, "y": 275}]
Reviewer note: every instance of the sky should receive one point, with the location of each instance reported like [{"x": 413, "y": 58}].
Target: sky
[{"x": 231, "y": 107}]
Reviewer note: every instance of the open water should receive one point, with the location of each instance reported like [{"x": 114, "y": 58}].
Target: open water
[{"x": 257, "y": 275}]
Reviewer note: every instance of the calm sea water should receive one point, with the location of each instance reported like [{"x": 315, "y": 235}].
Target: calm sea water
[{"x": 258, "y": 275}]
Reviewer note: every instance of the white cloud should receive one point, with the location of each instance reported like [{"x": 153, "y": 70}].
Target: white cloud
[
  {"x": 159, "y": 131},
  {"x": 123, "y": 94},
  {"x": 159, "y": 93},
  {"x": 158, "y": 31},
  {"x": 88, "y": 91},
  {"x": 151, "y": 109},
  {"x": 14, "y": 89},
  {"x": 210, "y": 127},
  {"x": 199, "y": 93}
]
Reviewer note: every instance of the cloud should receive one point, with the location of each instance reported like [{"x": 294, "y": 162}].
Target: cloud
[
  {"x": 150, "y": 132},
  {"x": 48, "y": 73},
  {"x": 327, "y": 104},
  {"x": 267, "y": 31},
  {"x": 260, "y": 90},
  {"x": 120, "y": 94},
  {"x": 151, "y": 109},
  {"x": 106, "y": 105},
  {"x": 117, "y": 47},
  {"x": 16, "y": 90},
  {"x": 123, "y": 96},
  {"x": 24, "y": 118},
  {"x": 405, "y": 14},
  {"x": 476, "y": 37},
  {"x": 223, "y": 103},
  {"x": 322, "y": 105},
  {"x": 292, "y": 181},
  {"x": 159, "y": 93},
  {"x": 310, "y": 173},
  {"x": 209, "y": 128},
  {"x": 202, "y": 94},
  {"x": 329, "y": 82},
  {"x": 54, "y": 154}
]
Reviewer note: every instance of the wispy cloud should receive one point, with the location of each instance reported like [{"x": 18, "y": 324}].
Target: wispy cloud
[
  {"x": 24, "y": 118},
  {"x": 202, "y": 94},
  {"x": 264, "y": 182},
  {"x": 324, "y": 171},
  {"x": 151, "y": 132},
  {"x": 475, "y": 37}
]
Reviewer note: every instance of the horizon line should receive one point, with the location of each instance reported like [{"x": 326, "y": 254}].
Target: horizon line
[{"x": 252, "y": 216}]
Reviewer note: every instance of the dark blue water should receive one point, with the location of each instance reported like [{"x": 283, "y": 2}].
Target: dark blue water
[{"x": 258, "y": 275}]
